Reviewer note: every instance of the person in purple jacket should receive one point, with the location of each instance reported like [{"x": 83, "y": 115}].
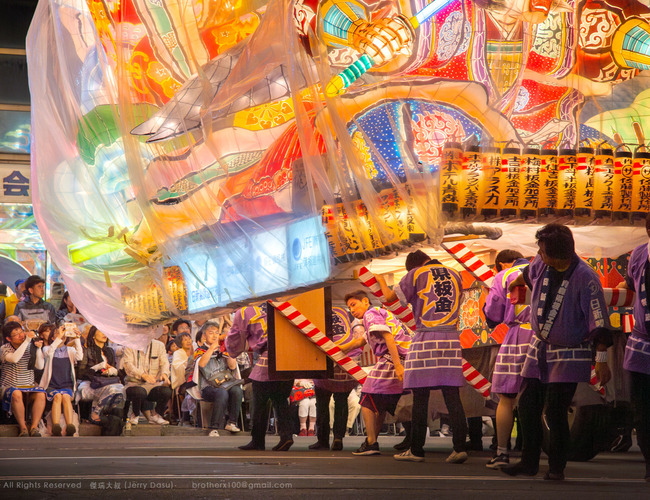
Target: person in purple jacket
[
  {"x": 339, "y": 386},
  {"x": 637, "y": 350},
  {"x": 249, "y": 325},
  {"x": 434, "y": 360},
  {"x": 383, "y": 386},
  {"x": 506, "y": 379},
  {"x": 568, "y": 313}
]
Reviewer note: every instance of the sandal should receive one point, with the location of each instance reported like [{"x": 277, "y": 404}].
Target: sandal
[
  {"x": 24, "y": 433},
  {"x": 96, "y": 421},
  {"x": 34, "y": 433}
]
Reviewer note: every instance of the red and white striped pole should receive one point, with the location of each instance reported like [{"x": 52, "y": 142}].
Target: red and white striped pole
[
  {"x": 466, "y": 258},
  {"x": 312, "y": 332}
]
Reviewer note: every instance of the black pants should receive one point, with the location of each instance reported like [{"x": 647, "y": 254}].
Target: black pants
[
  {"x": 556, "y": 399},
  {"x": 278, "y": 392},
  {"x": 640, "y": 393},
  {"x": 420, "y": 416},
  {"x": 158, "y": 396},
  {"x": 323, "y": 414}
]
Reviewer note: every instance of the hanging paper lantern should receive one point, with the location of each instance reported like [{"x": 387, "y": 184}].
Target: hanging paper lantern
[
  {"x": 566, "y": 181},
  {"x": 450, "y": 172},
  {"x": 489, "y": 181},
  {"x": 469, "y": 181},
  {"x": 509, "y": 187},
  {"x": 640, "y": 185},
  {"x": 622, "y": 199},
  {"x": 603, "y": 182},
  {"x": 584, "y": 181},
  {"x": 529, "y": 182},
  {"x": 548, "y": 182}
]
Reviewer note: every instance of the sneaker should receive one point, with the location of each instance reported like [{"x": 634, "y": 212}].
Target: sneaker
[
  {"x": 232, "y": 428},
  {"x": 554, "y": 476},
  {"x": 368, "y": 449},
  {"x": 56, "y": 430},
  {"x": 498, "y": 462},
  {"x": 214, "y": 433},
  {"x": 445, "y": 431},
  {"x": 456, "y": 457},
  {"x": 319, "y": 446},
  {"x": 337, "y": 445},
  {"x": 519, "y": 469},
  {"x": 157, "y": 419},
  {"x": 311, "y": 432},
  {"x": 303, "y": 432},
  {"x": 407, "y": 456},
  {"x": 403, "y": 445},
  {"x": 134, "y": 420}
]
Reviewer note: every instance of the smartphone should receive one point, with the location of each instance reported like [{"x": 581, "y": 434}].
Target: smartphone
[{"x": 69, "y": 329}]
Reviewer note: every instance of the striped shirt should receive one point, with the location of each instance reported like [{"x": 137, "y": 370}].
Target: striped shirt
[{"x": 15, "y": 374}]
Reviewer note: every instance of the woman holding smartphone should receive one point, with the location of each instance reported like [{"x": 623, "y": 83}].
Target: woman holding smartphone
[{"x": 58, "y": 378}]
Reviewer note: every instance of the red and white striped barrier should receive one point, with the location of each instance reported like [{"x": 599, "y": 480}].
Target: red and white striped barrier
[
  {"x": 476, "y": 380},
  {"x": 317, "y": 337},
  {"x": 595, "y": 383},
  {"x": 405, "y": 315},
  {"x": 619, "y": 297},
  {"x": 471, "y": 262}
]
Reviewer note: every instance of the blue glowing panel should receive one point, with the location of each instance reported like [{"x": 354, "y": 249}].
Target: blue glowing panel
[{"x": 309, "y": 260}]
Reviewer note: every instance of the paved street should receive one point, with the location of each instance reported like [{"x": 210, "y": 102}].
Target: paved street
[{"x": 201, "y": 467}]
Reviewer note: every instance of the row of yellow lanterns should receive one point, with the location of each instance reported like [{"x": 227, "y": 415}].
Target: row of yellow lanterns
[{"x": 598, "y": 182}]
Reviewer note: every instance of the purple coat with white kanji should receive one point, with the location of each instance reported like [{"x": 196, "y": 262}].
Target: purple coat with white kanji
[
  {"x": 637, "y": 350},
  {"x": 566, "y": 354},
  {"x": 382, "y": 378},
  {"x": 434, "y": 358},
  {"x": 507, "y": 378},
  {"x": 249, "y": 325}
]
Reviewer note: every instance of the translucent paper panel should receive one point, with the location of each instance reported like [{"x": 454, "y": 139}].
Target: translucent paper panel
[{"x": 191, "y": 155}]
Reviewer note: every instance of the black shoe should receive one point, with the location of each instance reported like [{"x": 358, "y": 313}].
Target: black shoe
[
  {"x": 402, "y": 445},
  {"x": 368, "y": 449},
  {"x": 251, "y": 446},
  {"x": 519, "y": 469},
  {"x": 337, "y": 445},
  {"x": 621, "y": 444},
  {"x": 70, "y": 430},
  {"x": 56, "y": 430},
  {"x": 319, "y": 446},
  {"x": 554, "y": 476},
  {"x": 283, "y": 445}
]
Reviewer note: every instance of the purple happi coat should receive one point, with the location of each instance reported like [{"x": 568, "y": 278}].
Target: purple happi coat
[
  {"x": 434, "y": 358},
  {"x": 507, "y": 378},
  {"x": 341, "y": 380},
  {"x": 566, "y": 354},
  {"x": 249, "y": 325},
  {"x": 382, "y": 378},
  {"x": 637, "y": 350}
]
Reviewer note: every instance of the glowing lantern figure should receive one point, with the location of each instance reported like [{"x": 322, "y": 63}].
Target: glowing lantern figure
[
  {"x": 603, "y": 182},
  {"x": 529, "y": 182},
  {"x": 584, "y": 181},
  {"x": 566, "y": 181},
  {"x": 548, "y": 182},
  {"x": 509, "y": 187},
  {"x": 622, "y": 199},
  {"x": 469, "y": 181},
  {"x": 641, "y": 185},
  {"x": 450, "y": 172},
  {"x": 488, "y": 184}
]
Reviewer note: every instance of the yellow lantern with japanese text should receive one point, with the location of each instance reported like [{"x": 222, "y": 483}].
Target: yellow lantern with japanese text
[
  {"x": 640, "y": 185},
  {"x": 566, "y": 181},
  {"x": 603, "y": 182},
  {"x": 584, "y": 181},
  {"x": 450, "y": 171},
  {"x": 529, "y": 182},
  {"x": 622, "y": 199},
  {"x": 548, "y": 182},
  {"x": 509, "y": 182},
  {"x": 469, "y": 181},
  {"x": 489, "y": 180}
]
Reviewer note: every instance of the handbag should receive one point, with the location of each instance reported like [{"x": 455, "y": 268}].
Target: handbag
[
  {"x": 224, "y": 379},
  {"x": 97, "y": 382}
]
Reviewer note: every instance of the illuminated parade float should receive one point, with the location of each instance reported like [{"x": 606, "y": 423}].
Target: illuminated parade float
[{"x": 191, "y": 156}]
